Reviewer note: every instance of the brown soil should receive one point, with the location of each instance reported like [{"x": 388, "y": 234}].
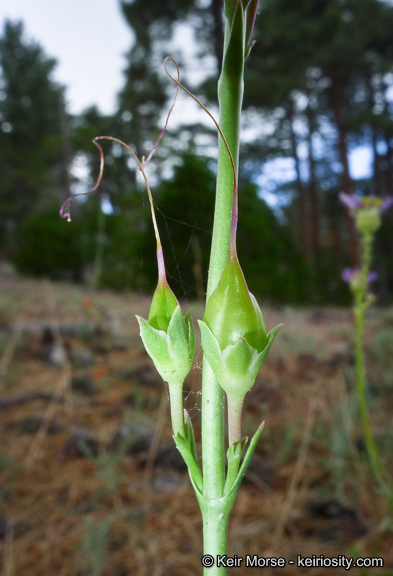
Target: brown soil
[{"x": 90, "y": 483}]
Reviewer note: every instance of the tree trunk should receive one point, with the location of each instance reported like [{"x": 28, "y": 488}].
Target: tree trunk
[
  {"x": 378, "y": 177},
  {"x": 218, "y": 32},
  {"x": 388, "y": 137},
  {"x": 303, "y": 208},
  {"x": 313, "y": 186},
  {"x": 67, "y": 152},
  {"x": 377, "y": 174},
  {"x": 346, "y": 181}
]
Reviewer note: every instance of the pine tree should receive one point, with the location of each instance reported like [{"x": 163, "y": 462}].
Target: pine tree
[{"x": 33, "y": 158}]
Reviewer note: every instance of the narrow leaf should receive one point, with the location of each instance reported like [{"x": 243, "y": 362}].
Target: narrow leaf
[
  {"x": 190, "y": 437},
  {"x": 193, "y": 469},
  {"x": 246, "y": 460}
]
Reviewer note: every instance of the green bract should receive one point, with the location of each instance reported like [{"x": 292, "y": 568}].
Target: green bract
[
  {"x": 237, "y": 366},
  {"x": 168, "y": 336},
  {"x": 233, "y": 333}
]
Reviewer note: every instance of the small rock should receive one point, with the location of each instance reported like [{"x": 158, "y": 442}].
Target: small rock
[
  {"x": 169, "y": 457},
  {"x": 317, "y": 316},
  {"x": 81, "y": 444},
  {"x": 333, "y": 509},
  {"x": 9, "y": 528},
  {"x": 47, "y": 338},
  {"x": 164, "y": 483},
  {"x": 102, "y": 348},
  {"x": 360, "y": 445},
  {"x": 259, "y": 469},
  {"x": 32, "y": 424},
  {"x": 57, "y": 356},
  {"x": 85, "y": 332},
  {"x": 340, "y": 522},
  {"x": 132, "y": 438},
  {"x": 119, "y": 345},
  {"x": 3, "y": 527},
  {"x": 83, "y": 384},
  {"x": 82, "y": 359},
  {"x": 146, "y": 375}
]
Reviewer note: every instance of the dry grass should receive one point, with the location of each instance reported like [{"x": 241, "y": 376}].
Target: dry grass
[{"x": 54, "y": 501}]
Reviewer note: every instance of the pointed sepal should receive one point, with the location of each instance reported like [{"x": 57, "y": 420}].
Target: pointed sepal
[
  {"x": 190, "y": 437},
  {"x": 236, "y": 367},
  {"x": 178, "y": 336},
  {"x": 241, "y": 362},
  {"x": 172, "y": 351},
  {"x": 156, "y": 345},
  {"x": 212, "y": 351},
  {"x": 193, "y": 468},
  {"x": 191, "y": 335},
  {"x": 234, "y": 454},
  {"x": 231, "y": 490}
]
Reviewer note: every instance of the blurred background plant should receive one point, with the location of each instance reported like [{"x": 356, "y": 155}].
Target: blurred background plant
[
  {"x": 94, "y": 545},
  {"x": 367, "y": 216}
]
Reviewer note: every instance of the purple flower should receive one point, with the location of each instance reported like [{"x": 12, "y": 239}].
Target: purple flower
[
  {"x": 355, "y": 203},
  {"x": 372, "y": 277},
  {"x": 387, "y": 203},
  {"x": 367, "y": 211},
  {"x": 353, "y": 275},
  {"x": 351, "y": 201}
]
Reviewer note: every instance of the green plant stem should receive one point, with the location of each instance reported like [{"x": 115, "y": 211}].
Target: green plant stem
[
  {"x": 215, "y": 514},
  {"x": 176, "y": 402},
  {"x": 235, "y": 406},
  {"x": 376, "y": 463},
  {"x": 230, "y": 99}
]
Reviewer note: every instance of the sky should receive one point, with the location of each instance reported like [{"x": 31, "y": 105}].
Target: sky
[{"x": 89, "y": 38}]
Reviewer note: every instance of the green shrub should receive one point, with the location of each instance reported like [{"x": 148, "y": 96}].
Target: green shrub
[{"x": 45, "y": 245}]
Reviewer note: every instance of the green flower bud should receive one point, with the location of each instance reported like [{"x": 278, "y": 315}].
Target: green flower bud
[
  {"x": 233, "y": 333},
  {"x": 232, "y": 313},
  {"x": 368, "y": 220},
  {"x": 367, "y": 211},
  {"x": 168, "y": 336},
  {"x": 162, "y": 307}
]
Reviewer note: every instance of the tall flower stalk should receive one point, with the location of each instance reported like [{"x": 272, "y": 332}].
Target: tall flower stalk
[
  {"x": 233, "y": 334},
  {"x": 219, "y": 491},
  {"x": 367, "y": 214}
]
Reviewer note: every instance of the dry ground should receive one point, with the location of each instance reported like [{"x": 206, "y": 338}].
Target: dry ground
[{"x": 91, "y": 484}]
